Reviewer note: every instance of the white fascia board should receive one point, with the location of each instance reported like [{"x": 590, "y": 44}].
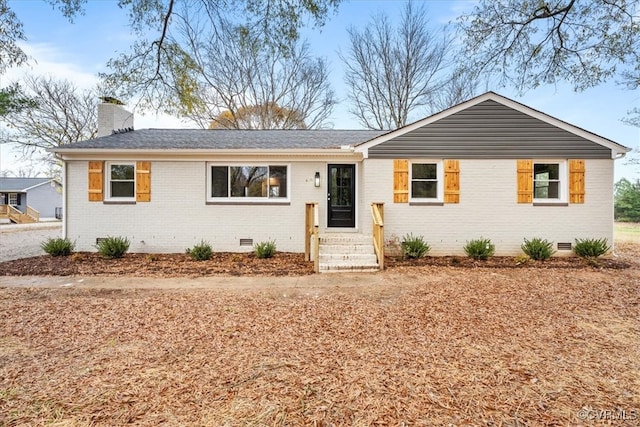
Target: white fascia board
[
  {"x": 617, "y": 150},
  {"x": 187, "y": 154},
  {"x": 38, "y": 185}
]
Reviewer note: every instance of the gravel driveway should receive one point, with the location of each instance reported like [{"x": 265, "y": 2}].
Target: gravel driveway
[{"x": 22, "y": 241}]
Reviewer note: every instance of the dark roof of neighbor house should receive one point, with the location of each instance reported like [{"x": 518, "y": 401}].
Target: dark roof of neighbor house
[
  {"x": 11, "y": 184},
  {"x": 221, "y": 139}
]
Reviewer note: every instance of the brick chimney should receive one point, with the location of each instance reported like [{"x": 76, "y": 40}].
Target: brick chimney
[{"x": 112, "y": 117}]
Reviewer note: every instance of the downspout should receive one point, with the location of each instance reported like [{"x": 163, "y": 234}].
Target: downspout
[{"x": 64, "y": 196}]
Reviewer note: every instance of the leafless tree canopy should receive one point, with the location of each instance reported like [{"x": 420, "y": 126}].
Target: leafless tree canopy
[
  {"x": 392, "y": 72},
  {"x": 159, "y": 69},
  {"x": 237, "y": 73},
  {"x": 63, "y": 114},
  {"x": 529, "y": 43}
]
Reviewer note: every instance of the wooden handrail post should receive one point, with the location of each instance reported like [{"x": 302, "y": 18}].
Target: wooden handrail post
[
  {"x": 311, "y": 226},
  {"x": 377, "y": 211}
]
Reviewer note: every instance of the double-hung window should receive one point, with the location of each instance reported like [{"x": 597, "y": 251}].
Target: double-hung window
[
  {"x": 121, "y": 181},
  {"x": 236, "y": 183},
  {"x": 426, "y": 181},
  {"x": 549, "y": 181},
  {"x": 13, "y": 199}
]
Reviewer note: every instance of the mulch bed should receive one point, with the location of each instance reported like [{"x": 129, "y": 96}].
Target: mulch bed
[{"x": 247, "y": 264}]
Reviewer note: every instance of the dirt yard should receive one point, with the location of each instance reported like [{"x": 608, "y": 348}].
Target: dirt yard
[{"x": 415, "y": 345}]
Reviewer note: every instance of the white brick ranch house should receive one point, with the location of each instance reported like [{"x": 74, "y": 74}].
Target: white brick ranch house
[{"x": 489, "y": 167}]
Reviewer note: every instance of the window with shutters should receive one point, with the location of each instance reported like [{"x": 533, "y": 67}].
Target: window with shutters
[
  {"x": 549, "y": 181},
  {"x": 121, "y": 181},
  {"x": 426, "y": 181},
  {"x": 13, "y": 199}
]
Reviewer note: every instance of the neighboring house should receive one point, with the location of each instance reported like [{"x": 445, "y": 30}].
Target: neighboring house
[
  {"x": 34, "y": 197},
  {"x": 489, "y": 167}
]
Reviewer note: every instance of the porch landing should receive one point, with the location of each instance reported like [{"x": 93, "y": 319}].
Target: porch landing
[{"x": 346, "y": 252}]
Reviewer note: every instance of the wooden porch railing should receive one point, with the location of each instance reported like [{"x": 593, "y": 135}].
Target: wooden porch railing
[
  {"x": 311, "y": 226},
  {"x": 377, "y": 211},
  {"x": 4, "y": 210},
  {"x": 33, "y": 213}
]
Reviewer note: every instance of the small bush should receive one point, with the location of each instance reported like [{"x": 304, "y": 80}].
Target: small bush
[
  {"x": 58, "y": 246},
  {"x": 265, "y": 249},
  {"x": 200, "y": 252},
  {"x": 479, "y": 248},
  {"x": 591, "y": 248},
  {"x": 113, "y": 247},
  {"x": 538, "y": 249},
  {"x": 414, "y": 246}
]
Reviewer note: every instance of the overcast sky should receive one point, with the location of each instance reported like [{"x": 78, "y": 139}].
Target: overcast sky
[{"x": 78, "y": 51}]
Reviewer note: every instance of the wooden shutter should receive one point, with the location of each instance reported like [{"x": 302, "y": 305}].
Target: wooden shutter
[
  {"x": 400, "y": 181},
  {"x": 96, "y": 181},
  {"x": 525, "y": 181},
  {"x": 143, "y": 181},
  {"x": 576, "y": 181},
  {"x": 451, "y": 181}
]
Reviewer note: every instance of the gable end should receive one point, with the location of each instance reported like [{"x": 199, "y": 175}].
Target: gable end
[{"x": 489, "y": 130}]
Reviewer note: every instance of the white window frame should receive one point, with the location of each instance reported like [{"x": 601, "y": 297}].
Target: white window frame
[
  {"x": 244, "y": 200},
  {"x": 439, "y": 181},
  {"x": 563, "y": 181},
  {"x": 107, "y": 181},
  {"x": 13, "y": 199}
]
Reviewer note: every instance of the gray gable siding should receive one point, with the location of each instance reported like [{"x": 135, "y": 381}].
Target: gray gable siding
[{"x": 489, "y": 130}]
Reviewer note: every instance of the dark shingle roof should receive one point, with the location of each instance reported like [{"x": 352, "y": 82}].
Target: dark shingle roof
[
  {"x": 227, "y": 139},
  {"x": 9, "y": 184}
]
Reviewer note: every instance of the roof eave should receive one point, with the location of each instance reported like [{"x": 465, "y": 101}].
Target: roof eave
[{"x": 76, "y": 153}]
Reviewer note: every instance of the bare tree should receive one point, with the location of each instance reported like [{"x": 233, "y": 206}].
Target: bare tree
[
  {"x": 159, "y": 64},
  {"x": 532, "y": 43},
  {"x": 238, "y": 73},
  {"x": 62, "y": 114},
  {"x": 392, "y": 72}
]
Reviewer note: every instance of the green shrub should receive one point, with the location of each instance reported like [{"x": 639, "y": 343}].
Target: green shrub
[
  {"x": 113, "y": 247},
  {"x": 265, "y": 249},
  {"x": 200, "y": 252},
  {"x": 479, "y": 248},
  {"x": 591, "y": 248},
  {"x": 538, "y": 249},
  {"x": 414, "y": 246},
  {"x": 58, "y": 246}
]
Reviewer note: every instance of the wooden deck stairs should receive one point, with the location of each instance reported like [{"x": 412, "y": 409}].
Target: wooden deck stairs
[{"x": 14, "y": 215}]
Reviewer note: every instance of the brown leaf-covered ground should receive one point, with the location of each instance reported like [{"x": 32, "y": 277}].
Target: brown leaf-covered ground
[{"x": 433, "y": 345}]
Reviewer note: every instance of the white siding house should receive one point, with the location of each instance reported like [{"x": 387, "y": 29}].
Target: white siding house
[{"x": 489, "y": 167}]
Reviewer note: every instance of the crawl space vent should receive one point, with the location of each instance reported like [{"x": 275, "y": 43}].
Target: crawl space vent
[
  {"x": 564, "y": 246},
  {"x": 246, "y": 242},
  {"x": 100, "y": 240}
]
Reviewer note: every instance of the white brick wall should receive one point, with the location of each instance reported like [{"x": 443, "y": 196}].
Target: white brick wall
[
  {"x": 488, "y": 209},
  {"x": 178, "y": 217}
]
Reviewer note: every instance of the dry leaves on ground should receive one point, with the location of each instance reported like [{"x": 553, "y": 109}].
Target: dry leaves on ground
[{"x": 437, "y": 346}]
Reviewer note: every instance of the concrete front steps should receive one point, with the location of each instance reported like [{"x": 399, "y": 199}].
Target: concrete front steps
[{"x": 347, "y": 252}]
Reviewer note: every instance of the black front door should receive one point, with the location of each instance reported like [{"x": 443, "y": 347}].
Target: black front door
[{"x": 341, "y": 196}]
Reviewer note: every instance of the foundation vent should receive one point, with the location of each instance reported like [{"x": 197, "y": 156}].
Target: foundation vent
[
  {"x": 100, "y": 240},
  {"x": 246, "y": 242},
  {"x": 564, "y": 246}
]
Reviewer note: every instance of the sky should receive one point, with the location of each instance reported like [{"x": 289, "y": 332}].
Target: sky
[{"x": 78, "y": 51}]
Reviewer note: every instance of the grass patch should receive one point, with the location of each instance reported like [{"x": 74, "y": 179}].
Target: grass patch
[{"x": 626, "y": 231}]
